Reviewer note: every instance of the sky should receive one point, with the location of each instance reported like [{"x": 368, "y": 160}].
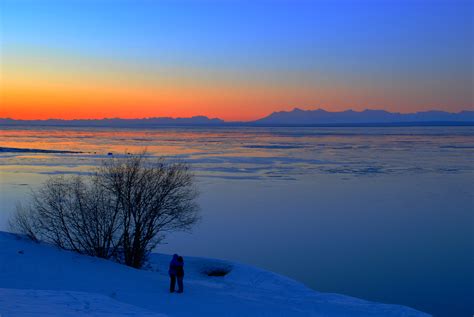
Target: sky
[{"x": 236, "y": 60}]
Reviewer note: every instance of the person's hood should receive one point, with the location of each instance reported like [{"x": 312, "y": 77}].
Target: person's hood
[{"x": 174, "y": 261}]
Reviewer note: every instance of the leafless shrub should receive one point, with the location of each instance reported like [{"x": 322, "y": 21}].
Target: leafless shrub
[
  {"x": 123, "y": 210},
  {"x": 219, "y": 271}
]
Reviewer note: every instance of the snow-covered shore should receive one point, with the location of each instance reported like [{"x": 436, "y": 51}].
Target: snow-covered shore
[{"x": 41, "y": 280}]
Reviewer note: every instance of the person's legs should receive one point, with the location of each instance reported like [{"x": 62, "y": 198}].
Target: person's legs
[
  {"x": 180, "y": 284},
  {"x": 172, "y": 283}
]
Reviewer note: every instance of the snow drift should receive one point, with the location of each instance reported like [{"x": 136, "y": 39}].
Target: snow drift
[{"x": 40, "y": 280}]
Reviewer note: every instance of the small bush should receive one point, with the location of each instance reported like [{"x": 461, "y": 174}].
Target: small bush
[{"x": 217, "y": 271}]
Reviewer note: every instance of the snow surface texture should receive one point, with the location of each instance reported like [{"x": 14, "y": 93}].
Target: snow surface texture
[{"x": 41, "y": 280}]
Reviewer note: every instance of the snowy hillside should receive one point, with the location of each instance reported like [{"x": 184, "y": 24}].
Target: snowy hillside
[{"x": 40, "y": 280}]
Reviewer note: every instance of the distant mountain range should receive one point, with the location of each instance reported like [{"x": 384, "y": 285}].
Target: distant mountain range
[
  {"x": 295, "y": 117},
  {"x": 320, "y": 116},
  {"x": 117, "y": 122}
]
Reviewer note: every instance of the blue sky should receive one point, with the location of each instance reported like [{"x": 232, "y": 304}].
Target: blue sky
[{"x": 422, "y": 50}]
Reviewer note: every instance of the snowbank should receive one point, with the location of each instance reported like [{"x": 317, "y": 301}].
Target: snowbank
[{"x": 41, "y": 280}]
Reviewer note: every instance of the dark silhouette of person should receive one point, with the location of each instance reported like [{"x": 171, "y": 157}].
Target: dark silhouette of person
[
  {"x": 180, "y": 273},
  {"x": 176, "y": 272}
]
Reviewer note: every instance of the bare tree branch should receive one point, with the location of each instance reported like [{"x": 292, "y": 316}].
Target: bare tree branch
[{"x": 123, "y": 210}]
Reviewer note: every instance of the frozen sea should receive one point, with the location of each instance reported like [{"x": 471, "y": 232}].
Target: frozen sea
[{"x": 380, "y": 213}]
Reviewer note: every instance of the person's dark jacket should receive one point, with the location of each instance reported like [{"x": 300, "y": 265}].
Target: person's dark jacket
[
  {"x": 180, "y": 267},
  {"x": 173, "y": 266}
]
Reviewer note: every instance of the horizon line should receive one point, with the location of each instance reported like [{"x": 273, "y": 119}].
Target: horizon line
[{"x": 236, "y": 121}]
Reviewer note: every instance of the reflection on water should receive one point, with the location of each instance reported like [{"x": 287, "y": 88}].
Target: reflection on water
[
  {"x": 258, "y": 153},
  {"x": 380, "y": 213}
]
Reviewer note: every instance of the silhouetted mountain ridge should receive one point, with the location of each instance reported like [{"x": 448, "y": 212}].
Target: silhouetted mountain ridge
[
  {"x": 320, "y": 116},
  {"x": 294, "y": 117},
  {"x": 118, "y": 122}
]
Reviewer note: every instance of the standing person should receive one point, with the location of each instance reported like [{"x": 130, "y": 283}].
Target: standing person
[
  {"x": 173, "y": 271},
  {"x": 180, "y": 273}
]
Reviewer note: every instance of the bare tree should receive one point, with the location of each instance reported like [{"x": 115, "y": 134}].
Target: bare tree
[
  {"x": 122, "y": 210},
  {"x": 74, "y": 214},
  {"x": 154, "y": 198}
]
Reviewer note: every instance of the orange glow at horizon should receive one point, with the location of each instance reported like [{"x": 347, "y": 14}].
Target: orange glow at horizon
[
  {"x": 46, "y": 94},
  {"x": 234, "y": 104},
  {"x": 72, "y": 87}
]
